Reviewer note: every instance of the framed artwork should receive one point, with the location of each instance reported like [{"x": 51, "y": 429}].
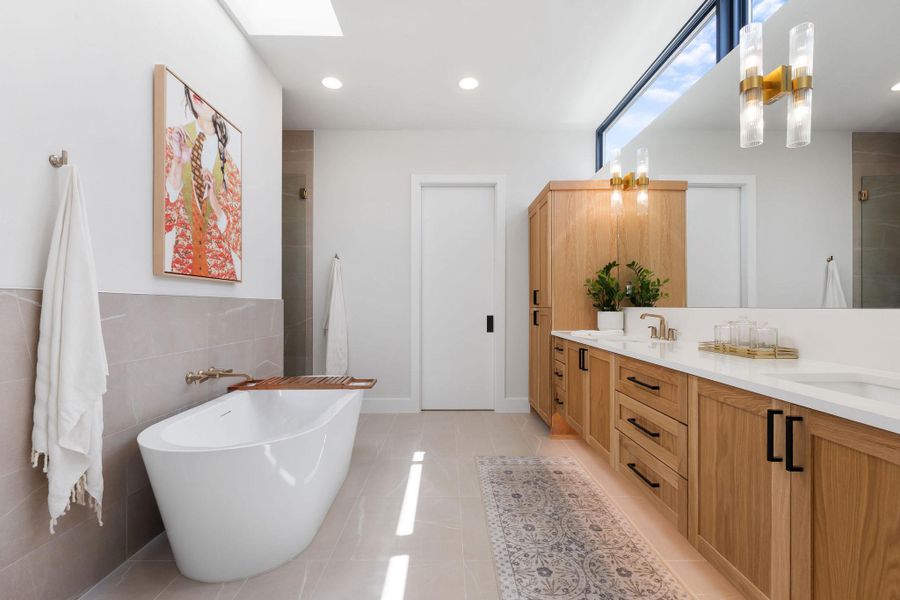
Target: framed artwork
[{"x": 197, "y": 204}]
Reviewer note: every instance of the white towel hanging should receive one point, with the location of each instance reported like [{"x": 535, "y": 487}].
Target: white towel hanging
[
  {"x": 834, "y": 292},
  {"x": 337, "y": 343},
  {"x": 71, "y": 363}
]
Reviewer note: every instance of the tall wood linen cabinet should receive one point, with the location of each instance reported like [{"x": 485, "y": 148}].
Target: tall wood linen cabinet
[{"x": 572, "y": 233}]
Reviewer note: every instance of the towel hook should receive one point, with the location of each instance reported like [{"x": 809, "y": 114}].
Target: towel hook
[
  {"x": 829, "y": 259},
  {"x": 59, "y": 160},
  {"x": 336, "y": 256}
]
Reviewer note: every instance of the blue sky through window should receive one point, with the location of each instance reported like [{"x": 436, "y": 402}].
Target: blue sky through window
[
  {"x": 761, "y": 10},
  {"x": 689, "y": 64}
]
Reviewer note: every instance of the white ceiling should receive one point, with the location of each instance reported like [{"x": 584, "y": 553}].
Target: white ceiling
[{"x": 542, "y": 64}]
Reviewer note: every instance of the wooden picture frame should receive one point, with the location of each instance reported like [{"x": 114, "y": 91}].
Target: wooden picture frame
[{"x": 197, "y": 185}]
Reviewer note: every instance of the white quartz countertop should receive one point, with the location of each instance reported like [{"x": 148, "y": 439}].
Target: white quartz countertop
[{"x": 765, "y": 377}]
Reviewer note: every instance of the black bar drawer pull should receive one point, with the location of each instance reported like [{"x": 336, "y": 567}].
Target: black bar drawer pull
[
  {"x": 558, "y": 374},
  {"x": 534, "y": 315},
  {"x": 643, "y": 429},
  {"x": 534, "y": 297},
  {"x": 770, "y": 435},
  {"x": 635, "y": 380},
  {"x": 643, "y": 477},
  {"x": 490, "y": 323},
  {"x": 789, "y": 445},
  {"x": 582, "y": 359},
  {"x": 558, "y": 348}
]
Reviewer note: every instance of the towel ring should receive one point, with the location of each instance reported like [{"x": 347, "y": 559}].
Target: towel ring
[{"x": 59, "y": 160}]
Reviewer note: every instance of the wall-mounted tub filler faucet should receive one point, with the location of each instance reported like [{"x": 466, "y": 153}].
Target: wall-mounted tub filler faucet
[
  {"x": 663, "y": 332},
  {"x": 213, "y": 373}
]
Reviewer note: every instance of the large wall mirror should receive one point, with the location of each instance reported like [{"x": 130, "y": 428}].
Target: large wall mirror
[{"x": 763, "y": 222}]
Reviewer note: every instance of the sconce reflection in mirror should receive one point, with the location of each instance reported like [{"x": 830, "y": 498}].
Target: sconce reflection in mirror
[
  {"x": 794, "y": 80},
  {"x": 639, "y": 180}
]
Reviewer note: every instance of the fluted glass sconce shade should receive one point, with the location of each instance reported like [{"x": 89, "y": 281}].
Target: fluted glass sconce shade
[
  {"x": 752, "y": 122},
  {"x": 615, "y": 164},
  {"x": 643, "y": 203},
  {"x": 615, "y": 202},
  {"x": 799, "y": 116},
  {"x": 643, "y": 165}
]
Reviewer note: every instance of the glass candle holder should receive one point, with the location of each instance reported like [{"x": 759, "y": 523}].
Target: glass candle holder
[
  {"x": 763, "y": 338},
  {"x": 722, "y": 334},
  {"x": 740, "y": 332}
]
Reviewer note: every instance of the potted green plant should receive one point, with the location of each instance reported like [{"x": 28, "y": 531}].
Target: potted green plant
[
  {"x": 607, "y": 294},
  {"x": 645, "y": 288}
]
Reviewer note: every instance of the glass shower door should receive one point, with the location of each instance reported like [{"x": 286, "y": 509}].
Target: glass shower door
[{"x": 880, "y": 242}]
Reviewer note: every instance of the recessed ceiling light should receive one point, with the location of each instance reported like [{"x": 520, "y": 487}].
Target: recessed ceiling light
[
  {"x": 468, "y": 83},
  {"x": 332, "y": 83},
  {"x": 284, "y": 17},
  {"x": 896, "y": 87}
]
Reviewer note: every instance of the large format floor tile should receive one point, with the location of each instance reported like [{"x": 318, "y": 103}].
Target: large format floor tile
[{"x": 409, "y": 521}]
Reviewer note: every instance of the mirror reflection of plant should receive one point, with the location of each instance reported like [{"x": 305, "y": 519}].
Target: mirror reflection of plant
[
  {"x": 645, "y": 290},
  {"x": 605, "y": 289}
]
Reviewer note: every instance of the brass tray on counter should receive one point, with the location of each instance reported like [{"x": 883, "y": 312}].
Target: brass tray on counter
[{"x": 746, "y": 352}]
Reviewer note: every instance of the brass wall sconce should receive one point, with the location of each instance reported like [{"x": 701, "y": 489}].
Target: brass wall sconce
[
  {"x": 639, "y": 180},
  {"x": 795, "y": 81}
]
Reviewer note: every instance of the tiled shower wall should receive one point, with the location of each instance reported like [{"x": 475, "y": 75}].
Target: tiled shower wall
[
  {"x": 296, "y": 250},
  {"x": 151, "y": 342}
]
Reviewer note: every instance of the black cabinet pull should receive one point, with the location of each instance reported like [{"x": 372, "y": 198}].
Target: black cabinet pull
[
  {"x": 770, "y": 435},
  {"x": 534, "y": 315},
  {"x": 643, "y": 477},
  {"x": 558, "y": 401},
  {"x": 558, "y": 374},
  {"x": 642, "y": 384},
  {"x": 789, "y": 445},
  {"x": 642, "y": 429},
  {"x": 490, "y": 323},
  {"x": 558, "y": 348},
  {"x": 582, "y": 359},
  {"x": 534, "y": 297}
]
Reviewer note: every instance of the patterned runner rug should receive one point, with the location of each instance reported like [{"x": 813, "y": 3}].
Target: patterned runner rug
[{"x": 557, "y": 535}]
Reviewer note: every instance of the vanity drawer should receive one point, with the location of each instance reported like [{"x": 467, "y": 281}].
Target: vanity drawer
[
  {"x": 657, "y": 387},
  {"x": 559, "y": 399},
  {"x": 559, "y": 350},
  {"x": 663, "y": 437},
  {"x": 558, "y": 374},
  {"x": 665, "y": 488}
]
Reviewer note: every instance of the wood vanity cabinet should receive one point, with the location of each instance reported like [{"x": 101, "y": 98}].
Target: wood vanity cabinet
[
  {"x": 740, "y": 504},
  {"x": 577, "y": 385},
  {"x": 540, "y": 385},
  {"x": 845, "y": 509},
  {"x": 598, "y": 420}
]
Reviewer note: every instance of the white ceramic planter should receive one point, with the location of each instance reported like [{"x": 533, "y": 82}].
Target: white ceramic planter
[{"x": 610, "y": 320}]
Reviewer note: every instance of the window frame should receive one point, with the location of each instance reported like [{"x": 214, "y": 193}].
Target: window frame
[{"x": 730, "y": 16}]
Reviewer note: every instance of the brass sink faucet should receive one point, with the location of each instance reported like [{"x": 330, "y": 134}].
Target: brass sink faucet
[{"x": 663, "y": 332}]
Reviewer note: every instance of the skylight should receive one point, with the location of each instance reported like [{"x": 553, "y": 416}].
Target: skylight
[
  {"x": 284, "y": 17},
  {"x": 688, "y": 65}
]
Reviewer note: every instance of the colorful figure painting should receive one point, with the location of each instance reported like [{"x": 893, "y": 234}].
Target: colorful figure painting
[{"x": 197, "y": 184}]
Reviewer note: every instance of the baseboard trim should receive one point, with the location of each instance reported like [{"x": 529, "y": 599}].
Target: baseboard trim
[
  {"x": 512, "y": 405},
  {"x": 388, "y": 405}
]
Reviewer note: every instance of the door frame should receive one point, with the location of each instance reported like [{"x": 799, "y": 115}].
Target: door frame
[
  {"x": 747, "y": 186},
  {"x": 419, "y": 183}
]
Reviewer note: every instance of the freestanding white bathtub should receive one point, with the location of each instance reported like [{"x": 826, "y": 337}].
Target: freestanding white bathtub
[{"x": 244, "y": 481}]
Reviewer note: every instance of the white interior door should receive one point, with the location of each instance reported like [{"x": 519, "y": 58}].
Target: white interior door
[
  {"x": 457, "y": 297},
  {"x": 714, "y": 247}
]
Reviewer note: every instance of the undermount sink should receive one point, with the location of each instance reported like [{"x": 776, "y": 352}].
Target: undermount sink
[
  {"x": 617, "y": 338},
  {"x": 871, "y": 387}
]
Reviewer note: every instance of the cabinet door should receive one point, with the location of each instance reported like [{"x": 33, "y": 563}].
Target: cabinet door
[
  {"x": 599, "y": 405},
  {"x": 534, "y": 362},
  {"x": 544, "y": 254},
  {"x": 740, "y": 500},
  {"x": 576, "y": 385},
  {"x": 545, "y": 357},
  {"x": 845, "y": 509},
  {"x": 534, "y": 257},
  {"x": 657, "y": 240}
]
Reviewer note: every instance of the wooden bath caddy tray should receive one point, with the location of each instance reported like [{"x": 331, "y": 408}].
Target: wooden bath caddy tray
[
  {"x": 777, "y": 352},
  {"x": 307, "y": 382}
]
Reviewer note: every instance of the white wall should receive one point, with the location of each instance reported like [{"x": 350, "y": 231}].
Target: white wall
[
  {"x": 79, "y": 75},
  {"x": 804, "y": 208},
  {"x": 362, "y": 213}
]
